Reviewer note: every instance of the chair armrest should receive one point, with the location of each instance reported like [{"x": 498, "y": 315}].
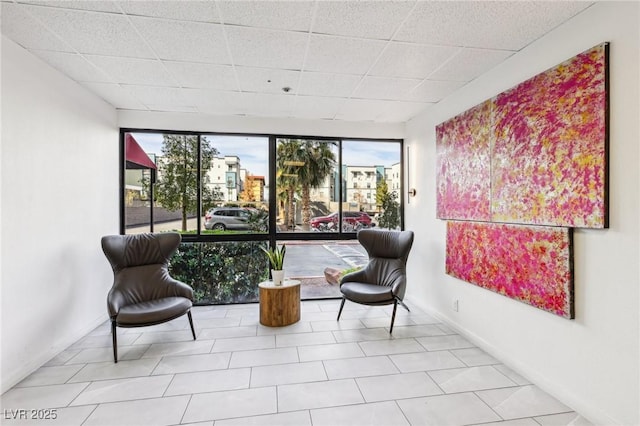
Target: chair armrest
[{"x": 355, "y": 276}]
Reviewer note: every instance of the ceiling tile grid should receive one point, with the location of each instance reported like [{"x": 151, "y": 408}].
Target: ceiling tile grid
[{"x": 381, "y": 61}]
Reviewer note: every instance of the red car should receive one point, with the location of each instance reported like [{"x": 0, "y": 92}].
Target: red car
[{"x": 327, "y": 223}]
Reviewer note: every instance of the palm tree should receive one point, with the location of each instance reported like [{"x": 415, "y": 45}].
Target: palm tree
[
  {"x": 303, "y": 164},
  {"x": 289, "y": 152},
  {"x": 320, "y": 162}
]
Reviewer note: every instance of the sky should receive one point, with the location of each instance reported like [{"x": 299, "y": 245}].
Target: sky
[{"x": 253, "y": 150}]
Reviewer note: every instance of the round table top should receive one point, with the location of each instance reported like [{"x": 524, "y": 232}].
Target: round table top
[{"x": 286, "y": 283}]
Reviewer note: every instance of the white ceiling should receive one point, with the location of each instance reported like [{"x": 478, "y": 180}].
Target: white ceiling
[{"x": 382, "y": 61}]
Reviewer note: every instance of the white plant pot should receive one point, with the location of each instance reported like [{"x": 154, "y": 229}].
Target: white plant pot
[{"x": 277, "y": 276}]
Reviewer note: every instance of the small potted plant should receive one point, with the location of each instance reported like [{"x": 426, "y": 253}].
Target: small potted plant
[{"x": 276, "y": 259}]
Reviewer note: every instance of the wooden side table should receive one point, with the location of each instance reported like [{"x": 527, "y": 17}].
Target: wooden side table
[{"x": 279, "y": 305}]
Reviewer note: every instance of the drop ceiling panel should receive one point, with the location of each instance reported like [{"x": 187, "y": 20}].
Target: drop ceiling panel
[
  {"x": 315, "y": 107},
  {"x": 326, "y": 84},
  {"x": 433, "y": 91},
  {"x": 92, "y": 32},
  {"x": 205, "y": 76},
  {"x": 470, "y": 63},
  {"x": 184, "y": 41},
  {"x": 342, "y": 55},
  {"x": 281, "y": 15},
  {"x": 268, "y": 105},
  {"x": 24, "y": 29},
  {"x": 267, "y": 80},
  {"x": 199, "y": 11},
  {"x": 363, "y": 110},
  {"x": 74, "y": 66},
  {"x": 366, "y": 19},
  {"x": 154, "y": 95},
  {"x": 473, "y": 24},
  {"x": 411, "y": 60},
  {"x": 257, "y": 47},
  {"x": 115, "y": 95},
  {"x": 344, "y": 60},
  {"x": 384, "y": 88},
  {"x": 148, "y": 72}
]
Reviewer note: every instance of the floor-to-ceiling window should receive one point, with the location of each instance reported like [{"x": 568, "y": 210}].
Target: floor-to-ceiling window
[{"x": 230, "y": 194}]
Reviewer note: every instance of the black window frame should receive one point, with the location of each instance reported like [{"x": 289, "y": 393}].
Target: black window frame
[{"x": 271, "y": 236}]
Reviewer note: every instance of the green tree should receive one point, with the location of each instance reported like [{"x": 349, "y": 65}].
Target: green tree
[
  {"x": 382, "y": 191},
  {"x": 390, "y": 217},
  {"x": 177, "y": 185},
  {"x": 303, "y": 165}
]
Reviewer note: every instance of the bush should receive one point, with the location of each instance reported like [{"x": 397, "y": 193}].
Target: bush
[{"x": 225, "y": 272}]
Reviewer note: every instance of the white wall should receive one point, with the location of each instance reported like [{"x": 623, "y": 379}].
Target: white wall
[
  {"x": 590, "y": 363},
  {"x": 59, "y": 196}
]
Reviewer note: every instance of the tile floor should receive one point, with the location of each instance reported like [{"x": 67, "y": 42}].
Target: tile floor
[{"x": 315, "y": 372}]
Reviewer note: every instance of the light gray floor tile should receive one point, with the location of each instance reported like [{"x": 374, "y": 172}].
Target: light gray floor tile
[
  {"x": 336, "y": 325},
  {"x": 191, "y": 347},
  {"x": 426, "y": 361},
  {"x": 318, "y": 316},
  {"x": 359, "y": 367},
  {"x": 330, "y": 351},
  {"x": 244, "y": 310},
  {"x": 209, "y": 381},
  {"x": 244, "y": 343},
  {"x": 423, "y": 319},
  {"x": 318, "y": 395},
  {"x": 62, "y": 357},
  {"x": 385, "y": 322},
  {"x": 202, "y": 312},
  {"x": 106, "y": 354},
  {"x": 231, "y": 404},
  {"x": 397, "y": 386},
  {"x": 515, "y": 377},
  {"x": 564, "y": 419},
  {"x": 524, "y": 401},
  {"x": 516, "y": 422},
  {"x": 358, "y": 313},
  {"x": 165, "y": 337},
  {"x": 143, "y": 412},
  {"x": 447, "y": 410},
  {"x": 473, "y": 357},
  {"x": 343, "y": 336},
  {"x": 191, "y": 363},
  {"x": 123, "y": 390},
  {"x": 69, "y": 416},
  {"x": 40, "y": 397},
  {"x": 304, "y": 339},
  {"x": 416, "y": 331},
  {"x": 263, "y": 357},
  {"x": 105, "y": 341},
  {"x": 302, "y": 372},
  {"x": 470, "y": 379},
  {"x": 215, "y": 323},
  {"x": 388, "y": 347},
  {"x": 439, "y": 343},
  {"x": 226, "y": 332},
  {"x": 295, "y": 418},
  {"x": 57, "y": 375},
  {"x": 446, "y": 329},
  {"x": 376, "y": 414},
  {"x": 111, "y": 370},
  {"x": 298, "y": 327}
]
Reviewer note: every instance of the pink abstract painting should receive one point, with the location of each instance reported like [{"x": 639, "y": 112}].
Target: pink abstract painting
[
  {"x": 531, "y": 264},
  {"x": 463, "y": 165},
  {"x": 548, "y": 162}
]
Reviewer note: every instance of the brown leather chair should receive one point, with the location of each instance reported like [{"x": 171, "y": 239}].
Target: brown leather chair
[
  {"x": 143, "y": 293},
  {"x": 383, "y": 280}
]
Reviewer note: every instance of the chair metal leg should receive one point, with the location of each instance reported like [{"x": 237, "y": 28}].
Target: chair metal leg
[
  {"x": 404, "y": 306},
  {"x": 114, "y": 341},
  {"x": 341, "y": 306},
  {"x": 193, "y": 331},
  {"x": 393, "y": 316}
]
